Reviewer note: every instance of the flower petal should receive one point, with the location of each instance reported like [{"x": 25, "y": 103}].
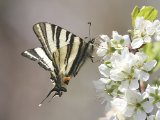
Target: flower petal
[
  {"x": 158, "y": 105},
  {"x": 141, "y": 57},
  {"x": 150, "y": 65},
  {"x": 127, "y": 39},
  {"x": 119, "y": 104},
  {"x": 140, "y": 115},
  {"x": 116, "y": 36},
  {"x": 104, "y": 80},
  {"x": 144, "y": 76},
  {"x": 147, "y": 106},
  {"x": 133, "y": 96},
  {"x": 105, "y": 38},
  {"x": 129, "y": 111},
  {"x": 134, "y": 84},
  {"x": 158, "y": 115},
  {"x": 116, "y": 75},
  {"x": 104, "y": 70},
  {"x": 151, "y": 117},
  {"x": 136, "y": 43},
  {"x": 124, "y": 86},
  {"x": 101, "y": 52},
  {"x": 99, "y": 85},
  {"x": 139, "y": 22},
  {"x": 150, "y": 30}
]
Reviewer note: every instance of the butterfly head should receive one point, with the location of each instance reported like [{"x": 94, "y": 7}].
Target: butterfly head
[{"x": 92, "y": 41}]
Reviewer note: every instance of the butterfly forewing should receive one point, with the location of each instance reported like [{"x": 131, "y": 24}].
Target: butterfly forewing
[{"x": 53, "y": 37}]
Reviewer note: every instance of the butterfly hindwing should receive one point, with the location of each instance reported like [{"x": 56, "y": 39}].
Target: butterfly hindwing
[{"x": 38, "y": 54}]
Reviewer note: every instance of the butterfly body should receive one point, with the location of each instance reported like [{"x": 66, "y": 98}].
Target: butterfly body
[{"x": 62, "y": 54}]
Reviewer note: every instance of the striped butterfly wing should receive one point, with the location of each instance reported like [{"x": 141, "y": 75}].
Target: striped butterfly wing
[
  {"x": 53, "y": 37},
  {"x": 38, "y": 54},
  {"x": 61, "y": 46},
  {"x": 67, "y": 57},
  {"x": 62, "y": 53}
]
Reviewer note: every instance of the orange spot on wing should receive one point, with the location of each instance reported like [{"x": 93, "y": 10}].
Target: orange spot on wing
[{"x": 66, "y": 80}]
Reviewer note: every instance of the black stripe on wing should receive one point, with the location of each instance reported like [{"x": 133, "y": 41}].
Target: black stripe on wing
[
  {"x": 74, "y": 63},
  {"x": 69, "y": 48},
  {"x": 67, "y": 35},
  {"x": 40, "y": 32},
  {"x": 58, "y": 32},
  {"x": 81, "y": 59},
  {"x": 85, "y": 50}
]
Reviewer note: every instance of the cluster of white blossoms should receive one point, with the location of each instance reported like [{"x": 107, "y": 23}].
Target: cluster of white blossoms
[
  {"x": 145, "y": 31},
  {"x": 125, "y": 72}
]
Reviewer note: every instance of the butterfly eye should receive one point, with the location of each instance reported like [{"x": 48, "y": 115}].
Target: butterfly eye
[{"x": 92, "y": 41}]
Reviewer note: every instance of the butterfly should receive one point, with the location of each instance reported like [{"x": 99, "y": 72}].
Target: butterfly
[{"x": 62, "y": 54}]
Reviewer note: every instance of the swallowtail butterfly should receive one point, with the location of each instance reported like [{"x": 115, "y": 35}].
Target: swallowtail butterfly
[{"x": 62, "y": 54}]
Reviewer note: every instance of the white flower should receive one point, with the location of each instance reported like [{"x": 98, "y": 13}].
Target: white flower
[
  {"x": 115, "y": 110},
  {"x": 104, "y": 50},
  {"x": 137, "y": 107},
  {"x": 119, "y": 41},
  {"x": 123, "y": 71},
  {"x": 100, "y": 86},
  {"x": 106, "y": 89},
  {"x": 144, "y": 32},
  {"x": 128, "y": 69},
  {"x": 142, "y": 67},
  {"x": 153, "y": 93},
  {"x": 107, "y": 47},
  {"x": 118, "y": 106}
]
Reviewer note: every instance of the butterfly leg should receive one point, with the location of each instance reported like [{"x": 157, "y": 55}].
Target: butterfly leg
[
  {"x": 60, "y": 94},
  {"x": 91, "y": 58}
]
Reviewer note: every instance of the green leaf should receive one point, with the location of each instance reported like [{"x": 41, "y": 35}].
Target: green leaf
[
  {"x": 148, "y": 12},
  {"x": 153, "y": 51},
  {"x": 134, "y": 14}
]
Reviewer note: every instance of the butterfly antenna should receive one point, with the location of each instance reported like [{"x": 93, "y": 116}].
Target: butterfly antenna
[
  {"x": 45, "y": 98},
  {"x": 89, "y": 23}
]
